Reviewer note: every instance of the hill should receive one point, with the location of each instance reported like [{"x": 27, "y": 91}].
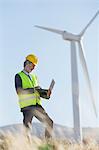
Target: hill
[
  {"x": 59, "y": 131},
  {"x": 13, "y": 137}
]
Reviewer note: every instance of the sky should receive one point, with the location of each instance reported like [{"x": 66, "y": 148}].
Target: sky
[{"x": 19, "y": 37}]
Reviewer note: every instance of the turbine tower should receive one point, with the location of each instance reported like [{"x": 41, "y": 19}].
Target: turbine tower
[{"x": 73, "y": 38}]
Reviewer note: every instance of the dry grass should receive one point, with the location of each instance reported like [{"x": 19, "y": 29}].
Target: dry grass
[{"x": 16, "y": 141}]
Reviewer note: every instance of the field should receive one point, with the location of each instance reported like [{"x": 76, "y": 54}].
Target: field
[{"x": 16, "y": 141}]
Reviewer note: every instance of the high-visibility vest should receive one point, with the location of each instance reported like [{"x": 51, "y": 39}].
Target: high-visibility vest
[{"x": 28, "y": 99}]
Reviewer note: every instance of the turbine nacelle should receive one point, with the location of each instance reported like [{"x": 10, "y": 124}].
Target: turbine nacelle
[
  {"x": 70, "y": 37},
  {"x": 65, "y": 35}
]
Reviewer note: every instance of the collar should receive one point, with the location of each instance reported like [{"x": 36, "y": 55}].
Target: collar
[{"x": 25, "y": 72}]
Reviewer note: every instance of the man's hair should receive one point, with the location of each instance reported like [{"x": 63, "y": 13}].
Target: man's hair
[{"x": 27, "y": 62}]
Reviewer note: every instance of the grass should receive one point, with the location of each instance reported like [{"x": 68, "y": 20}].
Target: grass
[{"x": 16, "y": 141}]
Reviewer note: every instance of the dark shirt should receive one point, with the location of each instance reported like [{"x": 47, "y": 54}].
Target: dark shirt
[{"x": 18, "y": 82}]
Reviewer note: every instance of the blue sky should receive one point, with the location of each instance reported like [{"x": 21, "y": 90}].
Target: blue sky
[{"x": 19, "y": 37}]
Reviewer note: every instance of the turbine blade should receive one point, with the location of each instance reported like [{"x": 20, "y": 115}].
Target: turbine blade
[
  {"x": 85, "y": 70},
  {"x": 83, "y": 31},
  {"x": 50, "y": 29}
]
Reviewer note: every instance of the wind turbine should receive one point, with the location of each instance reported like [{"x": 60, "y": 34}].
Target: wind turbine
[{"x": 73, "y": 38}]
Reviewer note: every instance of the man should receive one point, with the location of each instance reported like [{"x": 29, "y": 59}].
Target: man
[{"x": 29, "y": 93}]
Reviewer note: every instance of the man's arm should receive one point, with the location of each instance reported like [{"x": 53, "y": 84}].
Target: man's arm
[
  {"x": 18, "y": 86},
  {"x": 20, "y": 90}
]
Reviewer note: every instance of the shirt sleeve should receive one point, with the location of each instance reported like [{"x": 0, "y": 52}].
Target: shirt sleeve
[{"x": 18, "y": 82}]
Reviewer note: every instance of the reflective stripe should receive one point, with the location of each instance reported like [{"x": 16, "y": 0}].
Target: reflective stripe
[
  {"x": 27, "y": 103},
  {"x": 27, "y": 98}
]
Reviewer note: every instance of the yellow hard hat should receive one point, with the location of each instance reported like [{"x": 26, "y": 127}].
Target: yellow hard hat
[{"x": 32, "y": 58}]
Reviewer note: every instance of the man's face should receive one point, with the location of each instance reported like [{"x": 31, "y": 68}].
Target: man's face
[{"x": 29, "y": 67}]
